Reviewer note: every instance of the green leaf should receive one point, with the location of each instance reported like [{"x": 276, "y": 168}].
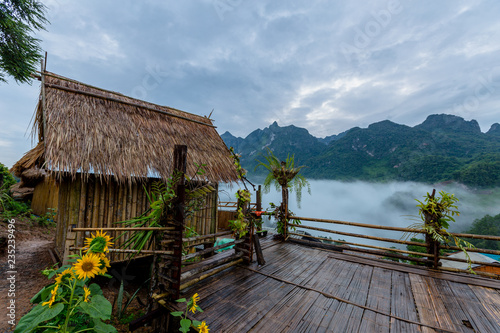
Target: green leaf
[
  {"x": 38, "y": 315},
  {"x": 196, "y": 323},
  {"x": 98, "y": 307},
  {"x": 180, "y": 300},
  {"x": 185, "y": 325},
  {"x": 95, "y": 289},
  {"x": 101, "y": 327},
  {"x": 38, "y": 297},
  {"x": 177, "y": 313}
]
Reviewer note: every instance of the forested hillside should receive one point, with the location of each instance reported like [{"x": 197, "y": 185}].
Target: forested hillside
[{"x": 442, "y": 148}]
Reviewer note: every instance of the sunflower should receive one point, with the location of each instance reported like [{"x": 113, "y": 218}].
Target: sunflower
[
  {"x": 66, "y": 275},
  {"x": 104, "y": 263},
  {"x": 87, "y": 266},
  {"x": 52, "y": 299},
  {"x": 203, "y": 328},
  {"x": 87, "y": 294},
  {"x": 100, "y": 242},
  {"x": 195, "y": 299}
]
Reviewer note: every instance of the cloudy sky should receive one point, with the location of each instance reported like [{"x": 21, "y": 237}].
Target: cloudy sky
[{"x": 323, "y": 65}]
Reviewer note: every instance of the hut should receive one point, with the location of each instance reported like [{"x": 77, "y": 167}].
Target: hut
[{"x": 99, "y": 152}]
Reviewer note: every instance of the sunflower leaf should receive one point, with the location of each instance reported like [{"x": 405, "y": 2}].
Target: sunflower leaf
[
  {"x": 38, "y": 315},
  {"x": 101, "y": 327},
  {"x": 95, "y": 289},
  {"x": 185, "y": 325},
  {"x": 98, "y": 307}
]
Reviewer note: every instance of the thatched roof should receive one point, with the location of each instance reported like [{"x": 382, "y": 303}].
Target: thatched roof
[{"x": 93, "y": 131}]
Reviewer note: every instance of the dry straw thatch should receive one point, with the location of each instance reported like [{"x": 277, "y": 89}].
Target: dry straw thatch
[{"x": 89, "y": 130}]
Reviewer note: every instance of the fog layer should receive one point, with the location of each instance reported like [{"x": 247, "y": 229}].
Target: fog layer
[{"x": 389, "y": 204}]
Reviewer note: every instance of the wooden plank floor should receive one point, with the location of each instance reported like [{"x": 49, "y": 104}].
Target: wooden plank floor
[{"x": 302, "y": 289}]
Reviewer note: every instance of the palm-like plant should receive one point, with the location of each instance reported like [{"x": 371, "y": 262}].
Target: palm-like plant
[{"x": 284, "y": 175}]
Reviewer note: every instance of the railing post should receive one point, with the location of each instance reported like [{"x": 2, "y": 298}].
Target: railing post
[
  {"x": 259, "y": 204},
  {"x": 247, "y": 246},
  {"x": 284, "y": 210},
  {"x": 169, "y": 268},
  {"x": 433, "y": 245},
  {"x": 180, "y": 157}
]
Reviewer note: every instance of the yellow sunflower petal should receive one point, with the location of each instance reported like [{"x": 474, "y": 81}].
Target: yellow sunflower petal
[
  {"x": 87, "y": 294},
  {"x": 203, "y": 328},
  {"x": 68, "y": 274},
  {"x": 52, "y": 299},
  {"x": 87, "y": 266}
]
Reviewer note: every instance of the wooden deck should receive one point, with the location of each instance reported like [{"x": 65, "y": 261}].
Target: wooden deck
[{"x": 303, "y": 289}]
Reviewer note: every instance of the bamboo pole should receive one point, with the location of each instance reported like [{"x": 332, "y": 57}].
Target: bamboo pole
[
  {"x": 42, "y": 136},
  {"x": 364, "y": 225},
  {"x": 89, "y": 203},
  {"x": 121, "y": 251},
  {"x": 468, "y": 249},
  {"x": 364, "y": 245},
  {"x": 119, "y": 204},
  {"x": 202, "y": 267},
  {"x": 125, "y": 229},
  {"x": 134, "y": 200},
  {"x": 83, "y": 206},
  {"x": 390, "y": 240},
  {"x": 485, "y": 237},
  {"x": 356, "y": 249},
  {"x": 128, "y": 203},
  {"x": 204, "y": 276},
  {"x": 95, "y": 204},
  {"x": 215, "y": 235},
  {"x": 485, "y": 274},
  {"x": 212, "y": 249},
  {"x": 112, "y": 204},
  {"x": 109, "y": 189},
  {"x": 494, "y": 264},
  {"x": 213, "y": 205},
  {"x": 102, "y": 202}
]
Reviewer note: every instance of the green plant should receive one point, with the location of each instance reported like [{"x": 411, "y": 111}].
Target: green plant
[
  {"x": 19, "y": 51},
  {"x": 162, "y": 201},
  {"x": 47, "y": 219},
  {"x": 435, "y": 214},
  {"x": 284, "y": 175},
  {"x": 280, "y": 218},
  {"x": 240, "y": 225},
  {"x": 71, "y": 304},
  {"x": 191, "y": 306}
]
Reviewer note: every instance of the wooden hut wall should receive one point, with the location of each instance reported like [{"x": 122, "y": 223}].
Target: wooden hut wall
[
  {"x": 205, "y": 220},
  {"x": 45, "y": 196},
  {"x": 94, "y": 204}
]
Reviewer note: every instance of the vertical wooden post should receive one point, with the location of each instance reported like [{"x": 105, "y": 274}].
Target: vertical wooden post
[
  {"x": 180, "y": 157},
  {"x": 433, "y": 248},
  {"x": 70, "y": 241},
  {"x": 259, "y": 205},
  {"x": 42, "y": 135},
  {"x": 284, "y": 210}
]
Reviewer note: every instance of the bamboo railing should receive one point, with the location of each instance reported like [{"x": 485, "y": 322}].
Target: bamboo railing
[{"x": 428, "y": 258}]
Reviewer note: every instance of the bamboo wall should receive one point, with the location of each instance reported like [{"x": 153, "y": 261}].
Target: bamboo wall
[
  {"x": 46, "y": 196},
  {"x": 205, "y": 221},
  {"x": 95, "y": 204}
]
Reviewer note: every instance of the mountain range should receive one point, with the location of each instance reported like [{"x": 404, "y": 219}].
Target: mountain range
[{"x": 442, "y": 148}]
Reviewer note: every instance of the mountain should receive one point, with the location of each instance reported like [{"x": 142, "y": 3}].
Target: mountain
[
  {"x": 442, "y": 148},
  {"x": 281, "y": 140},
  {"x": 494, "y": 130},
  {"x": 449, "y": 123}
]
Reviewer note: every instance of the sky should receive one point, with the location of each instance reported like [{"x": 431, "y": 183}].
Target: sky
[{"x": 326, "y": 66}]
